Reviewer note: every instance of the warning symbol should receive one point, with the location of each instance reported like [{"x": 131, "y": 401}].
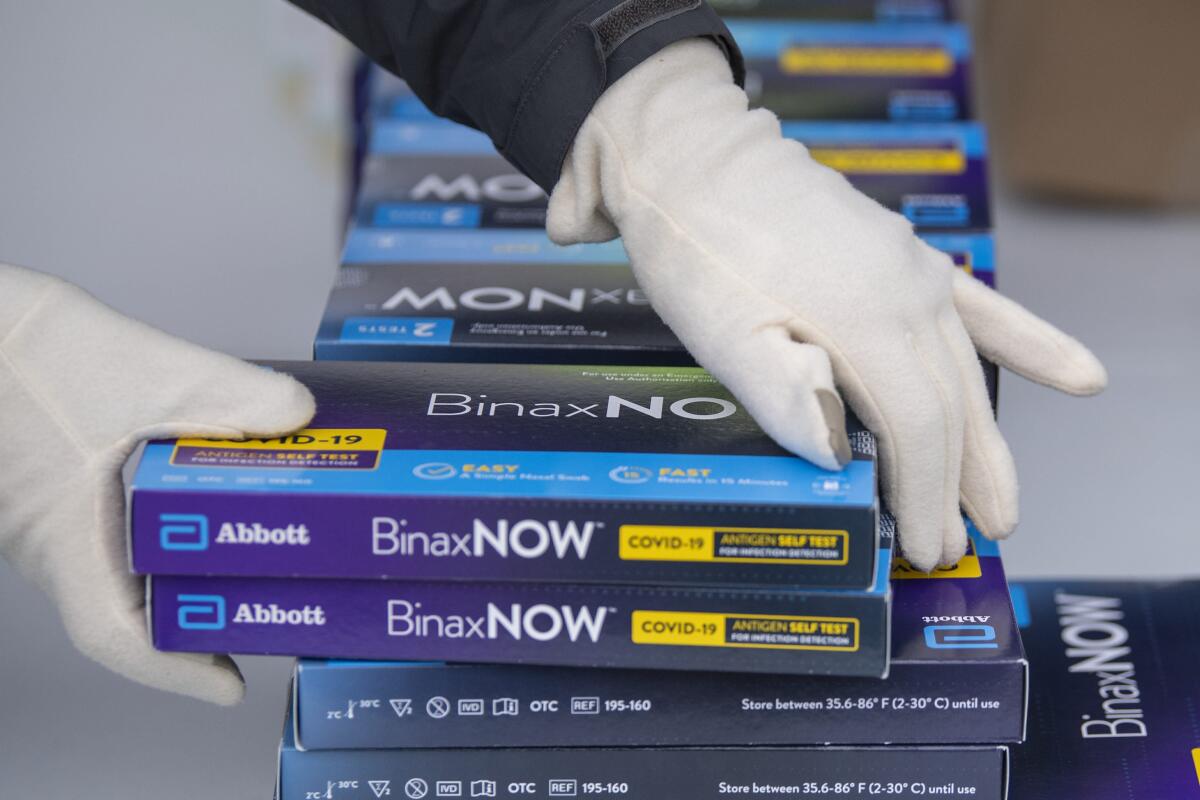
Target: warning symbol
[
  {"x": 402, "y": 706},
  {"x": 437, "y": 707}
]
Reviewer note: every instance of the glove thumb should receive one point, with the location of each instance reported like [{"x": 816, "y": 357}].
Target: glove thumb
[{"x": 103, "y": 606}]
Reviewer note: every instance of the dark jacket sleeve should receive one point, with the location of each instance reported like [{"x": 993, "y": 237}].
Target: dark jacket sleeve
[{"x": 525, "y": 72}]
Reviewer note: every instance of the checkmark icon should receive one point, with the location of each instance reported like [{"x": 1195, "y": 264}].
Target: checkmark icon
[{"x": 435, "y": 471}]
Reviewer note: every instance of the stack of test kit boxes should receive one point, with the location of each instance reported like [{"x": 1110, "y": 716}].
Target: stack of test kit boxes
[
  {"x": 510, "y": 534},
  {"x": 593, "y": 581},
  {"x": 586, "y": 516}
]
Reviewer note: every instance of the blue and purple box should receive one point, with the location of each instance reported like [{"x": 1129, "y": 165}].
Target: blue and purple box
[
  {"x": 857, "y": 71},
  {"x": 541, "y": 473},
  {"x": 445, "y": 176},
  {"x": 512, "y": 296},
  {"x": 958, "y": 674},
  {"x": 779, "y": 632},
  {"x": 1115, "y": 698},
  {"x": 648, "y": 773}
]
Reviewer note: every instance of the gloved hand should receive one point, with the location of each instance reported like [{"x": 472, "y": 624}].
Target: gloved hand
[
  {"x": 787, "y": 284},
  {"x": 80, "y": 387}
]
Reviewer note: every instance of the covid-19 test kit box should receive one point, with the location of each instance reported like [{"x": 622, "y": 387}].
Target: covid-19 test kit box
[
  {"x": 1115, "y": 693},
  {"x": 646, "y": 773},
  {"x": 421, "y": 175},
  {"x": 509, "y": 473},
  {"x": 513, "y": 296},
  {"x": 958, "y": 674},
  {"x": 935, "y": 174},
  {"x": 856, "y": 70}
]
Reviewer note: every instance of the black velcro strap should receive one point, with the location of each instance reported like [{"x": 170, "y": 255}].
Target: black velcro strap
[
  {"x": 632, "y": 16},
  {"x": 584, "y": 60}
]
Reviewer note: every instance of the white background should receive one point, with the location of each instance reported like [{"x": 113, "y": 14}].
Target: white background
[{"x": 174, "y": 159}]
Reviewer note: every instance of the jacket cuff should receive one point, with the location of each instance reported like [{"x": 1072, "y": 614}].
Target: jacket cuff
[{"x": 602, "y": 43}]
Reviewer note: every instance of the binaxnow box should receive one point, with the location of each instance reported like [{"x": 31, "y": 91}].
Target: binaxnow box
[
  {"x": 779, "y": 631},
  {"x": 567, "y": 474},
  {"x": 856, "y": 70},
  {"x": 935, "y": 174},
  {"x": 514, "y": 296},
  {"x": 958, "y": 675},
  {"x": 648, "y": 773},
  {"x": 1113, "y": 709},
  {"x": 421, "y": 175}
]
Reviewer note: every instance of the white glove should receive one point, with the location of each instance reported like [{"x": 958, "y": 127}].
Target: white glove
[
  {"x": 80, "y": 387},
  {"x": 783, "y": 280}
]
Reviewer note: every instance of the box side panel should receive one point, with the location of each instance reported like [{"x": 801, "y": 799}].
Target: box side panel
[
  {"x": 826, "y": 633},
  {"x": 364, "y": 705},
  {"x": 646, "y": 774},
  {"x": 510, "y": 539}
]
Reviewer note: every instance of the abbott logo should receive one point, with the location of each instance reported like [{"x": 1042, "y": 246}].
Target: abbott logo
[
  {"x": 183, "y": 531},
  {"x": 201, "y": 612},
  {"x": 960, "y": 637}
]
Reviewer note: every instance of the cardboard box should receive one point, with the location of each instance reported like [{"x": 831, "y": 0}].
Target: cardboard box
[
  {"x": 1115, "y": 691},
  {"x": 857, "y": 71},
  {"x": 641, "y": 774},
  {"x": 1094, "y": 100},
  {"x": 615, "y": 475},
  {"x": 957, "y": 680}
]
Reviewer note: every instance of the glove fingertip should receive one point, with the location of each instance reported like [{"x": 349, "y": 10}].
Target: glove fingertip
[
  {"x": 921, "y": 552},
  {"x": 954, "y": 543},
  {"x": 1084, "y": 375}
]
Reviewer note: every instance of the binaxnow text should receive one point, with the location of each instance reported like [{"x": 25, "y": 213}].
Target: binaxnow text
[
  {"x": 1098, "y": 644},
  {"x": 525, "y": 538},
  {"x": 540, "y": 622}
]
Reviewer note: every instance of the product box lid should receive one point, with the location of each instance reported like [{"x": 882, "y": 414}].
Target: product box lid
[{"x": 429, "y": 429}]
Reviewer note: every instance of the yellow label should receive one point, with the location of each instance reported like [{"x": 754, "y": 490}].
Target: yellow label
[
  {"x": 734, "y": 545},
  {"x": 967, "y": 567},
  {"x": 327, "y": 448},
  {"x": 924, "y": 161},
  {"x": 1196, "y": 762},
  {"x": 866, "y": 61},
  {"x": 307, "y": 439},
  {"x": 761, "y": 631}
]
